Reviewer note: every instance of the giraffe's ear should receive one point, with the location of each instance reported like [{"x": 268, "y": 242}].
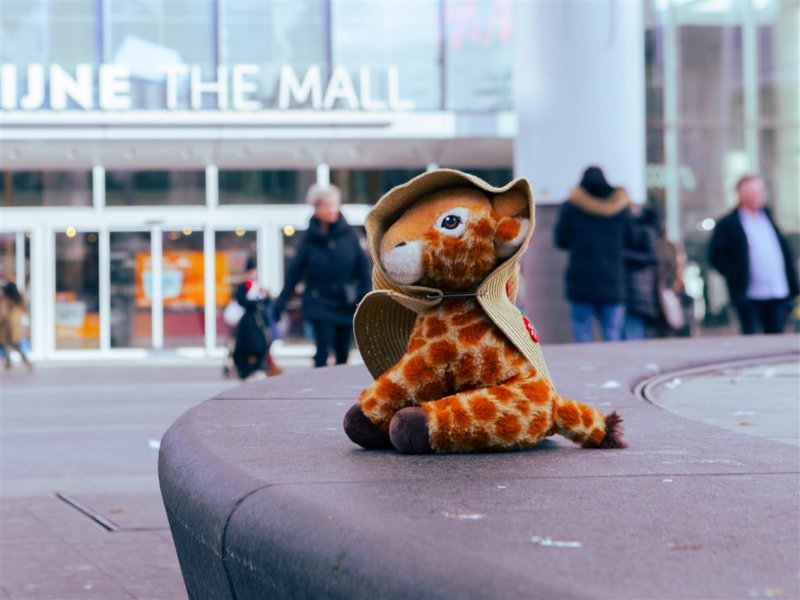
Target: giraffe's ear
[
  {"x": 510, "y": 204},
  {"x": 511, "y": 232},
  {"x": 511, "y": 211}
]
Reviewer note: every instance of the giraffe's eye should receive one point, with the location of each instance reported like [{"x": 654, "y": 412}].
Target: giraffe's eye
[{"x": 453, "y": 223}]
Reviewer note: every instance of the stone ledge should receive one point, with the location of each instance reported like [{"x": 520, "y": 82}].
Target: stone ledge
[{"x": 266, "y": 497}]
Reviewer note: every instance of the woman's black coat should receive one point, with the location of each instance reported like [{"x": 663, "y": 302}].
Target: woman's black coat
[
  {"x": 598, "y": 233},
  {"x": 336, "y": 272}
]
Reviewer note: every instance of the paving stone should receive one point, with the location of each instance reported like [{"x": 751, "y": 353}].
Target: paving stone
[
  {"x": 54, "y": 570},
  {"x": 142, "y": 564}
]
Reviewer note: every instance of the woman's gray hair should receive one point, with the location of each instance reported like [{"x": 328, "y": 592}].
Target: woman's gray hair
[{"x": 317, "y": 193}]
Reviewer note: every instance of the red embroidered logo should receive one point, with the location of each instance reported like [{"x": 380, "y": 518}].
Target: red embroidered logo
[{"x": 531, "y": 331}]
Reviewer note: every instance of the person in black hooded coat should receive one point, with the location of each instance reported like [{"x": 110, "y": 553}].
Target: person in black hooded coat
[
  {"x": 253, "y": 338},
  {"x": 336, "y": 272},
  {"x": 595, "y": 226}
]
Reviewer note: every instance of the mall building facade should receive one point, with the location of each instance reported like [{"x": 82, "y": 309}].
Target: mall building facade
[{"x": 149, "y": 147}]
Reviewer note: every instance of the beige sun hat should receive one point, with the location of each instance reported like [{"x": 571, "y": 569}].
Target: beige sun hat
[{"x": 385, "y": 317}]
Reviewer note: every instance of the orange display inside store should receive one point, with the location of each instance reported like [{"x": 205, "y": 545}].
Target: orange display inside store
[{"x": 182, "y": 280}]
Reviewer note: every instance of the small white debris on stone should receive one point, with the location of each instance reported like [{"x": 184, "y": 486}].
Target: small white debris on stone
[
  {"x": 550, "y": 542},
  {"x": 675, "y": 383},
  {"x": 462, "y": 515},
  {"x": 154, "y": 444},
  {"x": 611, "y": 384}
]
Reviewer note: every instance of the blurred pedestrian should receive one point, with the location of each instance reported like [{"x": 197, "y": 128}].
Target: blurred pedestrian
[
  {"x": 336, "y": 272},
  {"x": 12, "y": 325},
  {"x": 254, "y": 331},
  {"x": 755, "y": 259},
  {"x": 596, "y": 227},
  {"x": 657, "y": 295},
  {"x": 641, "y": 302}
]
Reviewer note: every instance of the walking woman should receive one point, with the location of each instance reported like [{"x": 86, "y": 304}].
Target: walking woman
[
  {"x": 595, "y": 226},
  {"x": 12, "y": 313},
  {"x": 336, "y": 273}
]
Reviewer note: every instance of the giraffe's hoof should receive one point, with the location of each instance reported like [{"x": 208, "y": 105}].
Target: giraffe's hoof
[
  {"x": 409, "y": 431},
  {"x": 364, "y": 432}
]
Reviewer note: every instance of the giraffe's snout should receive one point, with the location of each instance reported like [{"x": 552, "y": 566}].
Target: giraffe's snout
[{"x": 403, "y": 263}]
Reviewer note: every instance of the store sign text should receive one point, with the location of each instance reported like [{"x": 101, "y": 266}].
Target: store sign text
[{"x": 109, "y": 87}]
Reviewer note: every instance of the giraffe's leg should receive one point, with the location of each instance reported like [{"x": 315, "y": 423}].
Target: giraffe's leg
[
  {"x": 517, "y": 414},
  {"x": 586, "y": 426},
  {"x": 367, "y": 422},
  {"x": 364, "y": 432}
]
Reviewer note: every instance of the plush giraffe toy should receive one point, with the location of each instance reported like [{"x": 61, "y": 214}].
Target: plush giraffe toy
[{"x": 462, "y": 385}]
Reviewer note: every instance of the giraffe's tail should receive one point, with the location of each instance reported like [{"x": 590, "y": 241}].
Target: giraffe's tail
[
  {"x": 613, "y": 437},
  {"x": 586, "y": 426}
]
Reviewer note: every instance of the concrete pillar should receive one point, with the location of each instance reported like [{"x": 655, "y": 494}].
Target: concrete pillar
[{"x": 579, "y": 95}]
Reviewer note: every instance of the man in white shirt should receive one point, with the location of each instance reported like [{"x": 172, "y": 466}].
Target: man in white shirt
[{"x": 756, "y": 260}]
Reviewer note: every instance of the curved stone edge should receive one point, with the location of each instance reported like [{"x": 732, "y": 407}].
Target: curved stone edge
[
  {"x": 199, "y": 501},
  {"x": 204, "y": 527}
]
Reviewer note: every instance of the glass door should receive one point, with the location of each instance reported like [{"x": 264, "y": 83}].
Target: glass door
[
  {"x": 77, "y": 290},
  {"x": 183, "y": 287},
  {"x": 131, "y": 306}
]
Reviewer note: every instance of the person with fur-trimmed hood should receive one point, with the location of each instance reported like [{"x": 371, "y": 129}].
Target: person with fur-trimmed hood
[{"x": 596, "y": 227}]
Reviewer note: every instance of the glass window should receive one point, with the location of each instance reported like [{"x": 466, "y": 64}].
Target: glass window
[
  {"x": 361, "y": 186},
  {"x": 654, "y": 74},
  {"x": 396, "y": 33},
  {"x": 495, "y": 177},
  {"x": 149, "y": 35},
  {"x": 776, "y": 147},
  {"x": 479, "y": 55},
  {"x": 233, "y": 249},
  {"x": 77, "y": 290},
  {"x": 710, "y": 74},
  {"x": 148, "y": 188},
  {"x": 183, "y": 288},
  {"x": 711, "y": 160},
  {"x": 266, "y": 34},
  {"x": 264, "y": 187},
  {"x": 46, "y": 188},
  {"x": 131, "y": 322},
  {"x": 45, "y": 32},
  {"x": 15, "y": 258}
]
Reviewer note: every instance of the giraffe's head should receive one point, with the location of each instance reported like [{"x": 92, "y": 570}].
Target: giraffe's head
[{"x": 453, "y": 238}]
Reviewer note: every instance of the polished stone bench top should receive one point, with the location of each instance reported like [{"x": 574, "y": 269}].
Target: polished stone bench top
[{"x": 268, "y": 498}]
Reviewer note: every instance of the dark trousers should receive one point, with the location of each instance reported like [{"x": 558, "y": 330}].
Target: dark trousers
[
  {"x": 326, "y": 334},
  {"x": 768, "y": 316}
]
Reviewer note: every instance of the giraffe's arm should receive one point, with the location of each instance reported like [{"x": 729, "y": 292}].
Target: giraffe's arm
[{"x": 397, "y": 388}]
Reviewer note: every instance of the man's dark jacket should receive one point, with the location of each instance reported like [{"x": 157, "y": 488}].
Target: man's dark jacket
[
  {"x": 335, "y": 270},
  {"x": 729, "y": 255}
]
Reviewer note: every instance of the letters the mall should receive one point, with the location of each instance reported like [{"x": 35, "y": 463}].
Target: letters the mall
[{"x": 235, "y": 87}]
